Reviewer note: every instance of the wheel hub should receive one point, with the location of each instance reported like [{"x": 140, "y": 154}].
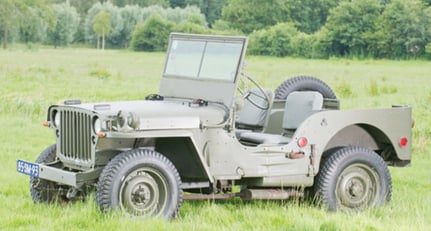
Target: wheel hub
[
  {"x": 143, "y": 192},
  {"x": 357, "y": 187},
  {"x": 141, "y": 195}
]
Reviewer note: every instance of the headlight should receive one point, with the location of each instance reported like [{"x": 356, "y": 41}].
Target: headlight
[
  {"x": 127, "y": 120},
  {"x": 121, "y": 119},
  {"x": 133, "y": 120},
  {"x": 56, "y": 119},
  {"x": 97, "y": 125}
]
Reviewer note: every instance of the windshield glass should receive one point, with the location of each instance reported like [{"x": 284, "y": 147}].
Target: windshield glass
[{"x": 215, "y": 60}]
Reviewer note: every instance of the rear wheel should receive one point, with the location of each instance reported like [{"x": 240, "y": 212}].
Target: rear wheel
[
  {"x": 44, "y": 191},
  {"x": 303, "y": 83},
  {"x": 353, "y": 178},
  {"x": 141, "y": 183}
]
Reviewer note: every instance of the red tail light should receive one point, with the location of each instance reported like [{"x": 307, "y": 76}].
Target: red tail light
[{"x": 403, "y": 142}]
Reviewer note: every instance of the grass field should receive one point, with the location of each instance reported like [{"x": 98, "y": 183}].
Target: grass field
[{"x": 33, "y": 80}]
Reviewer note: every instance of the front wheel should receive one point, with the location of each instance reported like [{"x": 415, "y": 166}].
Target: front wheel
[
  {"x": 45, "y": 191},
  {"x": 353, "y": 178},
  {"x": 141, "y": 183}
]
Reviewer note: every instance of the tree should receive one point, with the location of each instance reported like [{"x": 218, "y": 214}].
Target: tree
[
  {"x": 210, "y": 8},
  {"x": 67, "y": 22},
  {"x": 281, "y": 40},
  {"x": 153, "y": 35},
  {"x": 251, "y": 15},
  {"x": 132, "y": 16},
  {"x": 115, "y": 38},
  {"x": 32, "y": 28},
  {"x": 102, "y": 26},
  {"x": 309, "y": 15},
  {"x": 13, "y": 14},
  {"x": 177, "y": 3},
  {"x": 141, "y": 3},
  {"x": 348, "y": 25},
  {"x": 403, "y": 30}
]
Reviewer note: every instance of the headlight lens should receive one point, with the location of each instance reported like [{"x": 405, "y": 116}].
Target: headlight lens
[
  {"x": 57, "y": 119},
  {"x": 97, "y": 125}
]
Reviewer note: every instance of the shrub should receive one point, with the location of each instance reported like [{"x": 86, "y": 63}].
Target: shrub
[
  {"x": 282, "y": 40},
  {"x": 153, "y": 35}
]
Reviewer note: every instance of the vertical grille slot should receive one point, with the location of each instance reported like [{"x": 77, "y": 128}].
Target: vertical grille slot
[{"x": 75, "y": 135}]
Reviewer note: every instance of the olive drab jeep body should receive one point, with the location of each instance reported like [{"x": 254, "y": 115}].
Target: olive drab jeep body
[{"x": 211, "y": 128}]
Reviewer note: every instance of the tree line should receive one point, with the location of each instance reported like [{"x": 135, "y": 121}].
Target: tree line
[{"x": 305, "y": 28}]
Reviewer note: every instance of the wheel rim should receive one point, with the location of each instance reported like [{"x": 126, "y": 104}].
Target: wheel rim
[
  {"x": 144, "y": 193},
  {"x": 357, "y": 187}
]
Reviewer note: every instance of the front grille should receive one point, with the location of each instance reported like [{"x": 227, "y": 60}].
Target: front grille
[{"x": 75, "y": 136}]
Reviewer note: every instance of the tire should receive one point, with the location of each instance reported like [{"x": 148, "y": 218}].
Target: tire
[
  {"x": 44, "y": 191},
  {"x": 352, "y": 179},
  {"x": 303, "y": 83},
  {"x": 142, "y": 183}
]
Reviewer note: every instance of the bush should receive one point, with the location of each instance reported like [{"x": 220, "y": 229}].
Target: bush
[
  {"x": 194, "y": 24},
  {"x": 281, "y": 40},
  {"x": 153, "y": 35}
]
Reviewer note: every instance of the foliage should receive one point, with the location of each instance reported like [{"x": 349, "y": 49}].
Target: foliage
[
  {"x": 67, "y": 22},
  {"x": 32, "y": 27},
  {"x": 124, "y": 20},
  {"x": 396, "y": 29},
  {"x": 153, "y": 35},
  {"x": 102, "y": 23},
  {"x": 25, "y": 15},
  {"x": 210, "y": 8},
  {"x": 141, "y": 3},
  {"x": 348, "y": 24},
  {"x": 251, "y": 15},
  {"x": 403, "y": 30},
  {"x": 102, "y": 26},
  {"x": 282, "y": 39},
  {"x": 195, "y": 24},
  {"x": 115, "y": 38},
  {"x": 310, "y": 15}
]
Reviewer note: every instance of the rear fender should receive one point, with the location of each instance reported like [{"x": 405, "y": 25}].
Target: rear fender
[{"x": 377, "y": 129}]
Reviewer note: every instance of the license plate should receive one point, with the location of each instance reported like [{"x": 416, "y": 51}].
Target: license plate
[{"x": 27, "y": 168}]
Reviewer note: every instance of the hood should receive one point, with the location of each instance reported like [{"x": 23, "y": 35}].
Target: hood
[{"x": 153, "y": 114}]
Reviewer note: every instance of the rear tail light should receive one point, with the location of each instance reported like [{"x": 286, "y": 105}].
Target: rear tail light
[{"x": 403, "y": 142}]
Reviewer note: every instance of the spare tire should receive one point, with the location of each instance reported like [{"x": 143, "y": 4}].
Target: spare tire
[{"x": 303, "y": 83}]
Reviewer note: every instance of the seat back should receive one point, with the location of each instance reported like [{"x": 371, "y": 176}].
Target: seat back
[
  {"x": 300, "y": 105},
  {"x": 252, "y": 117}
]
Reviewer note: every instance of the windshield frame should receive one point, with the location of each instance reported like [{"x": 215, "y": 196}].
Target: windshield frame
[
  {"x": 220, "y": 84},
  {"x": 203, "y": 59}
]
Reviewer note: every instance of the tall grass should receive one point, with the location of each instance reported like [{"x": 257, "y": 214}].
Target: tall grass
[{"x": 33, "y": 80}]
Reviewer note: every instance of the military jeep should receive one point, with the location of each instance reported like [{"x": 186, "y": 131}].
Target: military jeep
[{"x": 213, "y": 132}]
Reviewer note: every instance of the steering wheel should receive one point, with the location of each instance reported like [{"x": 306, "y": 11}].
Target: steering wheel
[{"x": 246, "y": 92}]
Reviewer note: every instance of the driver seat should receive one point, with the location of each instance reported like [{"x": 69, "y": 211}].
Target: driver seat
[
  {"x": 299, "y": 106},
  {"x": 251, "y": 118}
]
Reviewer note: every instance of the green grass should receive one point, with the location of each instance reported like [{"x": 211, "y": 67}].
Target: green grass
[{"x": 33, "y": 80}]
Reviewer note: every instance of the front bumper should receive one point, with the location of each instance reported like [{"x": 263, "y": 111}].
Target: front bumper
[{"x": 60, "y": 176}]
